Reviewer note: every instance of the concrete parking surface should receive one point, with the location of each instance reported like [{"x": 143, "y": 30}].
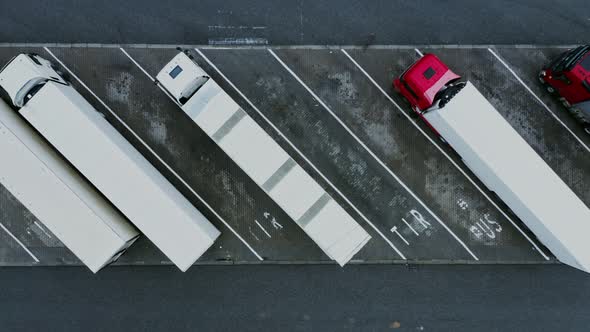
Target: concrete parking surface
[{"x": 333, "y": 110}]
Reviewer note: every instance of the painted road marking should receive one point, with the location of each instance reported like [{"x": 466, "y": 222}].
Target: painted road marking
[
  {"x": 273, "y": 221},
  {"x": 262, "y": 228},
  {"x": 252, "y": 233},
  {"x": 302, "y": 155},
  {"x": 539, "y": 99},
  {"x": 410, "y": 227},
  {"x": 20, "y": 243},
  {"x": 419, "y": 53},
  {"x": 394, "y": 230},
  {"x": 154, "y": 153},
  {"x": 398, "y": 107},
  {"x": 42, "y": 229},
  {"x": 374, "y": 156}
]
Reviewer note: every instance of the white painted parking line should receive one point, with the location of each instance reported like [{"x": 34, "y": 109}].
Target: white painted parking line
[
  {"x": 398, "y": 107},
  {"x": 410, "y": 227},
  {"x": 394, "y": 230},
  {"x": 262, "y": 228},
  {"x": 418, "y": 51},
  {"x": 539, "y": 99},
  {"x": 374, "y": 155},
  {"x": 19, "y": 243},
  {"x": 42, "y": 229},
  {"x": 302, "y": 156},
  {"x": 153, "y": 153}
]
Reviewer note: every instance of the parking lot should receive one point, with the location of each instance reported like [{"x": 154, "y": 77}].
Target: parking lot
[{"x": 333, "y": 110}]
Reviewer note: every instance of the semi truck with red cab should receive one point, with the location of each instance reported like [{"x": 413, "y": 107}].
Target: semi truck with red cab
[
  {"x": 568, "y": 78},
  {"x": 499, "y": 157}
]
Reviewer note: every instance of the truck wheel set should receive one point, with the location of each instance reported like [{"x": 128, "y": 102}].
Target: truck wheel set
[{"x": 99, "y": 203}]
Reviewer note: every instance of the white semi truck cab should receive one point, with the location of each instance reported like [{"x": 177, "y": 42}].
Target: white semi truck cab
[
  {"x": 253, "y": 150},
  {"x": 24, "y": 75}
]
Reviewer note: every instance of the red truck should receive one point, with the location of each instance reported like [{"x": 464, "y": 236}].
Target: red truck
[
  {"x": 424, "y": 83},
  {"x": 503, "y": 161},
  {"x": 568, "y": 77}
]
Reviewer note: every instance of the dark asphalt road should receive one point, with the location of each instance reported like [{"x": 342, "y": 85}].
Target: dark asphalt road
[
  {"x": 296, "y": 298},
  {"x": 347, "y": 22}
]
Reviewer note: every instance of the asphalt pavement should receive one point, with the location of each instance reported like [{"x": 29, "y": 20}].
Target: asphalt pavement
[
  {"x": 297, "y": 298},
  {"x": 262, "y": 22}
]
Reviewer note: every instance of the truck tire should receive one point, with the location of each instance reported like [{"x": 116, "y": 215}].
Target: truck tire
[
  {"x": 587, "y": 129},
  {"x": 550, "y": 89}
]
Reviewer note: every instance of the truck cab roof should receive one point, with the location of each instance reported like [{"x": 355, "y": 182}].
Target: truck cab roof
[
  {"x": 570, "y": 59},
  {"x": 25, "y": 71},
  {"x": 423, "y": 80},
  {"x": 182, "y": 77}
]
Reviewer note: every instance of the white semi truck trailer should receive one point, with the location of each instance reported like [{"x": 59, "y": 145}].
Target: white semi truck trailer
[
  {"x": 251, "y": 148},
  {"x": 108, "y": 161},
  {"x": 501, "y": 158},
  {"x": 50, "y": 188}
]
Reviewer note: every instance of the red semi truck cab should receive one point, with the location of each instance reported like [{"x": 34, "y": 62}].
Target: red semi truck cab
[
  {"x": 568, "y": 77},
  {"x": 423, "y": 80},
  {"x": 423, "y": 83}
]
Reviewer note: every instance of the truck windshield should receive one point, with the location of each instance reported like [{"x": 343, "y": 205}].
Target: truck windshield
[
  {"x": 569, "y": 59},
  {"x": 177, "y": 70}
]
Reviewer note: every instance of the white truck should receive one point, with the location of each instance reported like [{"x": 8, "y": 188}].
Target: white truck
[
  {"x": 251, "y": 148},
  {"x": 51, "y": 189},
  {"x": 108, "y": 161},
  {"x": 502, "y": 160}
]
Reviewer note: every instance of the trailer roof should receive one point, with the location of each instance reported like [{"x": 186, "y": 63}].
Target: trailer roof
[{"x": 504, "y": 161}]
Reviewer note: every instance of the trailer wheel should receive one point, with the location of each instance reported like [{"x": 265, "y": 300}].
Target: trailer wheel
[
  {"x": 587, "y": 129},
  {"x": 550, "y": 89}
]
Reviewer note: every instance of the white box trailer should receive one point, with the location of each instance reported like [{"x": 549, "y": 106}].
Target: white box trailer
[
  {"x": 508, "y": 166},
  {"x": 50, "y": 188},
  {"x": 251, "y": 148},
  {"x": 60, "y": 114}
]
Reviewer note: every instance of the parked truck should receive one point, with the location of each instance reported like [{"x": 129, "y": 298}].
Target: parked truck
[
  {"x": 51, "y": 189},
  {"x": 252, "y": 149},
  {"x": 568, "y": 78},
  {"x": 108, "y": 161},
  {"x": 502, "y": 159}
]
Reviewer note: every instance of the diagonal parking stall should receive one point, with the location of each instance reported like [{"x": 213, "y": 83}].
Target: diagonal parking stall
[
  {"x": 448, "y": 195},
  {"x": 376, "y": 249},
  {"x": 307, "y": 124},
  {"x": 286, "y": 229},
  {"x": 333, "y": 111}
]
